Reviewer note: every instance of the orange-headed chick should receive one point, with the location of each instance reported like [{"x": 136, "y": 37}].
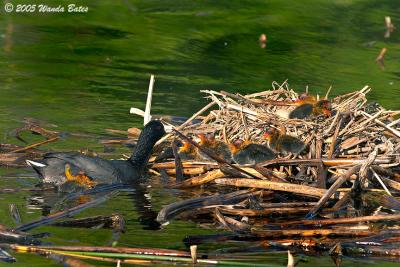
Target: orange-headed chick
[
  {"x": 218, "y": 147},
  {"x": 246, "y": 152},
  {"x": 283, "y": 143},
  {"x": 323, "y": 106},
  {"x": 81, "y": 178},
  {"x": 187, "y": 151},
  {"x": 307, "y": 106}
]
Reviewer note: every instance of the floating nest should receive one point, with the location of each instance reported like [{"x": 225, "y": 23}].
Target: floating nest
[{"x": 347, "y": 177}]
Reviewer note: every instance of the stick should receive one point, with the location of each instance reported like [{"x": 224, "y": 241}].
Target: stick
[
  {"x": 185, "y": 164},
  {"x": 199, "y": 180},
  {"x": 327, "y": 92},
  {"x": 8, "y": 236},
  {"x": 334, "y": 138},
  {"x": 391, "y": 183},
  {"x": 15, "y": 214},
  {"x": 239, "y": 97},
  {"x": 312, "y": 233},
  {"x": 193, "y": 253},
  {"x": 172, "y": 210},
  {"x": 372, "y": 218},
  {"x": 327, "y": 162},
  {"x": 180, "y": 127},
  {"x": 343, "y": 178},
  {"x": 381, "y": 55},
  {"x": 390, "y": 129},
  {"x": 189, "y": 171},
  {"x": 381, "y": 182},
  {"x": 286, "y": 187},
  {"x": 263, "y": 212},
  {"x": 321, "y": 170},
  {"x": 35, "y": 145},
  {"x": 290, "y": 261},
  {"x": 122, "y": 250},
  {"x": 147, "y": 116}
]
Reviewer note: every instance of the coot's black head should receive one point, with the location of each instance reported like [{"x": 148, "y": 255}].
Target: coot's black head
[{"x": 153, "y": 131}]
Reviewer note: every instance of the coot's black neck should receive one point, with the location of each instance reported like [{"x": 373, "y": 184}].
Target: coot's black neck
[{"x": 142, "y": 152}]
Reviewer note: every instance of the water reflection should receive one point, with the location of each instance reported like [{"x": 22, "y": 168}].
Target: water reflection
[{"x": 50, "y": 200}]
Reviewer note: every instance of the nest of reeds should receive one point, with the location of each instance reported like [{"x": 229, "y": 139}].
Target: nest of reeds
[{"x": 349, "y": 172}]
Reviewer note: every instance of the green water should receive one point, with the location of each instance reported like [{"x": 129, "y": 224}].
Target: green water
[{"x": 82, "y": 73}]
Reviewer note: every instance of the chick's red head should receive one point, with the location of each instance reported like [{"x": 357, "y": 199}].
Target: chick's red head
[{"x": 270, "y": 133}]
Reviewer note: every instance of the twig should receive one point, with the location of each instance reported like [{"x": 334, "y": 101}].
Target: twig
[
  {"x": 372, "y": 218},
  {"x": 394, "y": 131},
  {"x": 171, "y": 210},
  {"x": 35, "y": 145},
  {"x": 327, "y": 92},
  {"x": 199, "y": 180},
  {"x": 343, "y": 178},
  {"x": 334, "y": 138},
  {"x": 147, "y": 116},
  {"x": 381, "y": 182},
  {"x": 183, "y": 125},
  {"x": 286, "y": 187}
]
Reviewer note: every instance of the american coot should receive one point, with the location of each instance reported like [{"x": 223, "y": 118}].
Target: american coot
[
  {"x": 308, "y": 105},
  {"x": 102, "y": 171},
  {"x": 283, "y": 143},
  {"x": 245, "y": 152}
]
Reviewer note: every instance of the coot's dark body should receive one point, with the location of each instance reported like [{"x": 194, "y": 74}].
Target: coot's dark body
[{"x": 52, "y": 167}]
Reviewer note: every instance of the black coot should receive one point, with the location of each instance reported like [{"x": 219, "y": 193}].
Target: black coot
[{"x": 101, "y": 171}]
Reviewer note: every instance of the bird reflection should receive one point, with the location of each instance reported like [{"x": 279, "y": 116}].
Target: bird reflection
[{"x": 50, "y": 200}]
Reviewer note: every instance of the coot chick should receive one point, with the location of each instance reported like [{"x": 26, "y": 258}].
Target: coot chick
[
  {"x": 324, "y": 107},
  {"x": 52, "y": 169},
  {"x": 307, "y": 106},
  {"x": 187, "y": 151},
  {"x": 245, "y": 152},
  {"x": 218, "y": 147},
  {"x": 80, "y": 178},
  {"x": 283, "y": 143}
]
